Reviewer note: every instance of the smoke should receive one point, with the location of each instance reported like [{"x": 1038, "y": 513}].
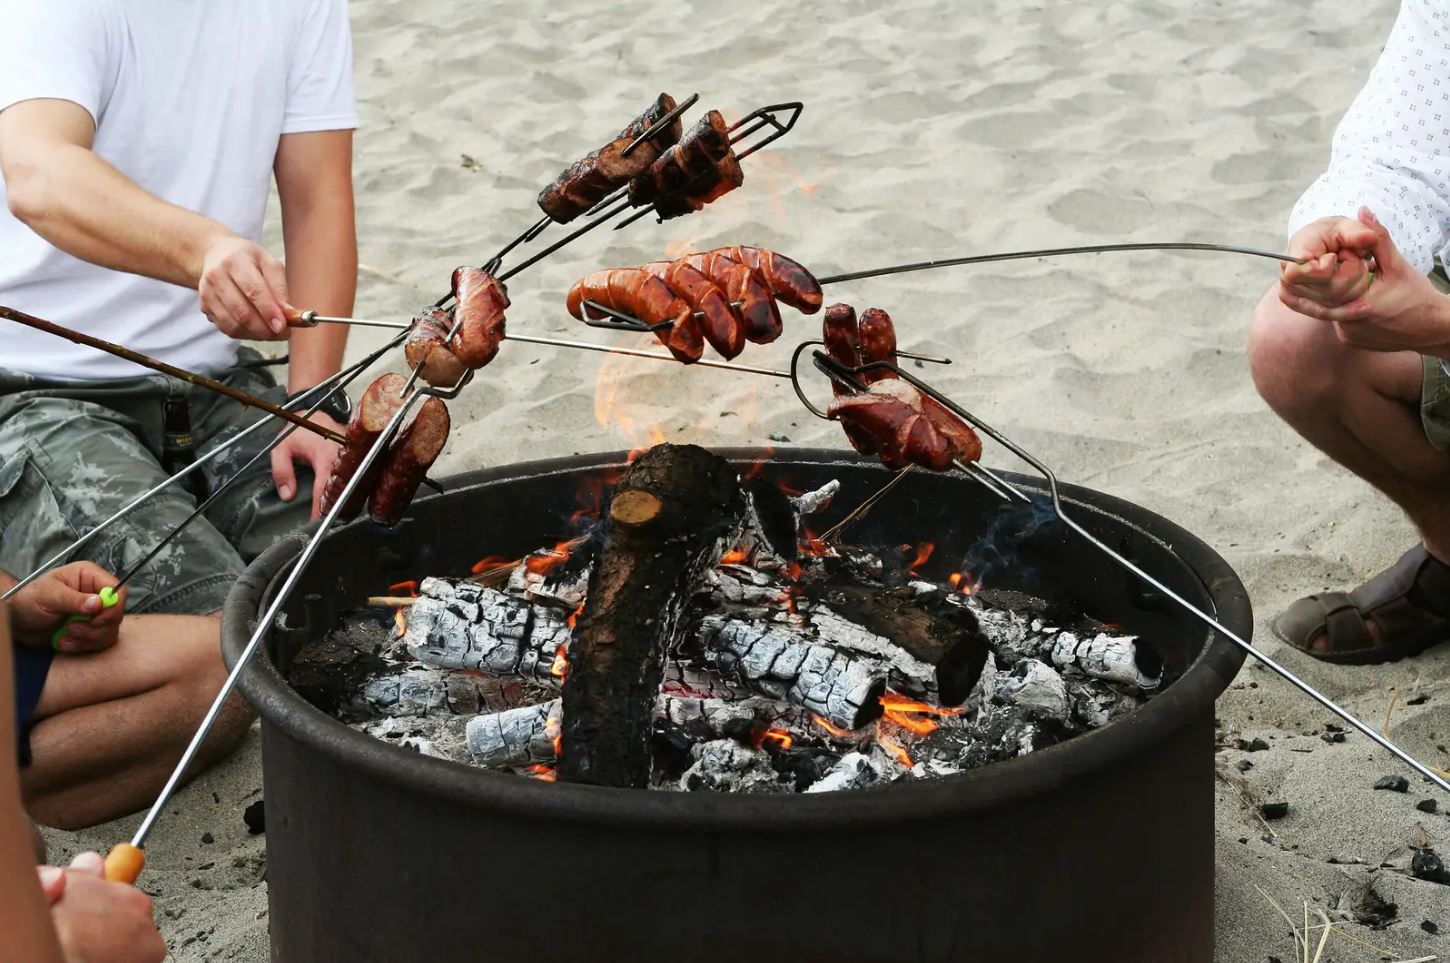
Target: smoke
[{"x": 999, "y": 549}]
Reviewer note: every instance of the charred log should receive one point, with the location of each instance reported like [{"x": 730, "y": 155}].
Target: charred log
[
  {"x": 784, "y": 664},
  {"x": 460, "y": 625},
  {"x": 516, "y": 737},
  {"x": 1108, "y": 657},
  {"x": 421, "y": 691},
  {"x": 665, "y": 526}
]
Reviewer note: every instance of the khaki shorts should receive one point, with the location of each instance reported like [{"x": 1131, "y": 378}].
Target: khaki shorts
[{"x": 1435, "y": 387}]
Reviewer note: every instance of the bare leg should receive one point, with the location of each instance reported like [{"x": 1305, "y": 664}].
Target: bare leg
[
  {"x": 1362, "y": 408},
  {"x": 113, "y": 724}
]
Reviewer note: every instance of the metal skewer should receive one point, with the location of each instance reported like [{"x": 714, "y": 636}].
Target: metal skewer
[
  {"x": 1058, "y": 252},
  {"x": 191, "y": 377},
  {"x": 845, "y": 376}
]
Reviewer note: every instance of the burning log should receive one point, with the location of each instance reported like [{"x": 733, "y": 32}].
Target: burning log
[
  {"x": 459, "y": 625},
  {"x": 420, "y": 692},
  {"x": 664, "y": 528},
  {"x": 855, "y": 770},
  {"x": 907, "y": 673},
  {"x": 784, "y": 663},
  {"x": 554, "y": 577},
  {"x": 770, "y": 530},
  {"x": 1108, "y": 657},
  {"x": 516, "y": 737}
]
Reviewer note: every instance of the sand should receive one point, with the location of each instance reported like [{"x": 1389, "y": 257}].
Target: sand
[{"x": 930, "y": 130}]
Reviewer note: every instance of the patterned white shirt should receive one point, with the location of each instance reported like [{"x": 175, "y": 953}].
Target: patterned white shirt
[{"x": 1391, "y": 151}]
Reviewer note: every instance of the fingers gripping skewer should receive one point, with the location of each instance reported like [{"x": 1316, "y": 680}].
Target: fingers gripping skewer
[
  {"x": 191, "y": 377},
  {"x": 846, "y": 376},
  {"x": 126, "y": 860}
]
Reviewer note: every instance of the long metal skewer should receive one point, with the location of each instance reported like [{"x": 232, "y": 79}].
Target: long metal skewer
[
  {"x": 845, "y": 375},
  {"x": 266, "y": 622},
  {"x": 191, "y": 377},
  {"x": 325, "y": 385},
  {"x": 1058, "y": 252},
  {"x": 282, "y": 436}
]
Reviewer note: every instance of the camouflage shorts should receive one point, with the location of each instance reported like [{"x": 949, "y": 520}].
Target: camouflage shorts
[{"x": 71, "y": 454}]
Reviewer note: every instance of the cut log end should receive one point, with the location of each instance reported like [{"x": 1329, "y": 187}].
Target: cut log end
[{"x": 635, "y": 507}]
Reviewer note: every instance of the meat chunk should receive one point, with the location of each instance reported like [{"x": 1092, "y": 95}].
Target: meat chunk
[
  {"x": 426, "y": 349},
  {"x": 640, "y": 294},
  {"x": 479, "y": 315},
  {"x": 380, "y": 402},
  {"x": 589, "y": 180},
  {"x": 407, "y": 460}
]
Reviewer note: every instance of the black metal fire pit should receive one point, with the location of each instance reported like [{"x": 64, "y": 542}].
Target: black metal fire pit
[{"x": 1097, "y": 849}]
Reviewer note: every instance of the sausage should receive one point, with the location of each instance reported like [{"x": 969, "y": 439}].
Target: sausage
[
  {"x": 787, "y": 280},
  {"x": 721, "y": 324},
  {"x": 380, "y": 402},
  {"x": 589, "y": 180},
  {"x": 644, "y": 296},
  {"x": 426, "y": 351},
  {"x": 895, "y": 415},
  {"x": 747, "y": 293},
  {"x": 876, "y": 341},
  {"x": 479, "y": 314},
  {"x": 696, "y": 157},
  {"x": 724, "y": 179},
  {"x": 407, "y": 460},
  {"x": 839, "y": 329}
]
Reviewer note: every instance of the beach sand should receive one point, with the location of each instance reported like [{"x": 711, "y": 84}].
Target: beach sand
[{"x": 930, "y": 130}]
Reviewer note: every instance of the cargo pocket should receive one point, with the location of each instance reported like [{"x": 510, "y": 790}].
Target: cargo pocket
[{"x": 32, "y": 525}]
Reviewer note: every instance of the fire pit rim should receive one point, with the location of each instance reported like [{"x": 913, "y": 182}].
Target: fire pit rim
[{"x": 1042, "y": 771}]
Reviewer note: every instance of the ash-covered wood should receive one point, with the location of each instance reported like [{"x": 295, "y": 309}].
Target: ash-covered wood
[
  {"x": 784, "y": 663},
  {"x": 420, "y": 691},
  {"x": 555, "y": 578},
  {"x": 725, "y": 765},
  {"x": 665, "y": 526},
  {"x": 459, "y": 625},
  {"x": 771, "y": 528},
  {"x": 855, "y": 770},
  {"x": 516, "y": 737},
  {"x": 1034, "y": 687},
  {"x": 1113, "y": 658}
]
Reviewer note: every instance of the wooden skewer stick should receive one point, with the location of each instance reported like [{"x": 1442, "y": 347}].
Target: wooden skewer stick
[
  {"x": 392, "y": 601},
  {"x": 191, "y": 377}
]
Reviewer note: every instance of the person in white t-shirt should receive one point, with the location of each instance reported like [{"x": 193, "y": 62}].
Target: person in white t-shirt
[
  {"x": 138, "y": 143},
  {"x": 1351, "y": 348}
]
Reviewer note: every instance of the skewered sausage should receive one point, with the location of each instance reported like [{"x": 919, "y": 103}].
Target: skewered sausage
[
  {"x": 589, "y": 180},
  {"x": 787, "y": 280},
  {"x": 426, "y": 351},
  {"x": 839, "y": 329},
  {"x": 407, "y": 460},
  {"x": 743, "y": 289},
  {"x": 696, "y": 157},
  {"x": 380, "y": 402},
  {"x": 644, "y": 296},
  {"x": 721, "y": 325},
  {"x": 725, "y": 178},
  {"x": 480, "y": 316}
]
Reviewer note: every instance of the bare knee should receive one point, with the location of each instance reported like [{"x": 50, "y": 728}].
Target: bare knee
[
  {"x": 1296, "y": 361},
  {"x": 201, "y": 674}
]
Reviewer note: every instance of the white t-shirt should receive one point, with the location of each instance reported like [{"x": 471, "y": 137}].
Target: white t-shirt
[{"x": 189, "y": 98}]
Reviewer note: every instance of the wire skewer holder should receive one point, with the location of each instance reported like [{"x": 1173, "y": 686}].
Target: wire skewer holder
[{"x": 846, "y": 376}]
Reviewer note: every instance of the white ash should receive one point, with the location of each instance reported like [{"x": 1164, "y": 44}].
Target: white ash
[
  {"x": 553, "y": 585},
  {"x": 783, "y": 664},
  {"x": 407, "y": 734},
  {"x": 1036, "y": 688},
  {"x": 420, "y": 691},
  {"x": 460, "y": 625},
  {"x": 1095, "y": 703},
  {"x": 856, "y": 770},
  {"x": 815, "y": 502},
  {"x": 909, "y": 674},
  {"x": 724, "y": 765},
  {"x": 733, "y": 586},
  {"x": 516, "y": 737},
  {"x": 689, "y": 682},
  {"x": 1113, "y": 658}
]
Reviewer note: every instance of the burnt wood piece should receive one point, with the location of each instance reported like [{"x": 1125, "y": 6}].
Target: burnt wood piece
[
  {"x": 940, "y": 634},
  {"x": 665, "y": 527},
  {"x": 459, "y": 625},
  {"x": 515, "y": 737},
  {"x": 328, "y": 673},
  {"x": 786, "y": 664}
]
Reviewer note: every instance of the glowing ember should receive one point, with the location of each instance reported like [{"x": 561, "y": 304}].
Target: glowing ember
[
  {"x": 902, "y": 756},
  {"x": 736, "y": 556},
  {"x": 541, "y": 771},
  {"x": 834, "y": 730},
  {"x": 778, "y": 738},
  {"x": 400, "y": 620},
  {"x": 555, "y": 731},
  {"x": 560, "y": 668},
  {"x": 906, "y": 713},
  {"x": 410, "y": 586}
]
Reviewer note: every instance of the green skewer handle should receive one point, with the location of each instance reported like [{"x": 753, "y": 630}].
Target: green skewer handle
[{"x": 109, "y": 597}]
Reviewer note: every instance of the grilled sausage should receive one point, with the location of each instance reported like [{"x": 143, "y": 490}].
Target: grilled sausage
[
  {"x": 787, "y": 280},
  {"x": 644, "y": 296},
  {"x": 696, "y": 157},
  {"x": 892, "y": 412},
  {"x": 380, "y": 402},
  {"x": 479, "y": 313},
  {"x": 425, "y": 349},
  {"x": 876, "y": 341},
  {"x": 721, "y": 324},
  {"x": 589, "y": 180},
  {"x": 407, "y": 460},
  {"x": 839, "y": 329},
  {"x": 747, "y": 293}
]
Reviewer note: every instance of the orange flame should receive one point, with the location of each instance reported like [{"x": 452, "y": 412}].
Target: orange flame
[
  {"x": 905, "y": 713},
  {"x": 411, "y": 586},
  {"x": 491, "y": 562},
  {"x": 573, "y": 619},
  {"x": 553, "y": 729},
  {"x": 833, "y": 729},
  {"x": 540, "y": 563},
  {"x": 778, "y": 738},
  {"x": 902, "y": 756},
  {"x": 736, "y": 556},
  {"x": 542, "y": 772},
  {"x": 963, "y": 583},
  {"x": 560, "y": 667},
  {"x": 400, "y": 620},
  {"x": 923, "y": 552}
]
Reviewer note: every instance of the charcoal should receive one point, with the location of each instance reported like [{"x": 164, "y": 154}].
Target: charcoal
[
  {"x": 1244, "y": 765},
  {"x": 255, "y": 818},
  {"x": 804, "y": 765},
  {"x": 1333, "y": 737},
  {"x": 670, "y": 745},
  {"x": 1361, "y": 904},
  {"x": 1427, "y": 865},
  {"x": 1393, "y": 783},
  {"x": 563, "y": 585},
  {"x": 1430, "y": 928},
  {"x": 1094, "y": 703},
  {"x": 1274, "y": 810},
  {"x": 1428, "y": 806},
  {"x": 1255, "y": 744}
]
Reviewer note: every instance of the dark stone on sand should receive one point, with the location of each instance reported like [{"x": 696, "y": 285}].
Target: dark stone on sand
[
  {"x": 1274, "y": 810},
  {"x": 1418, "y": 700},
  {"x": 255, "y": 816},
  {"x": 1255, "y": 744},
  {"x": 1428, "y": 866},
  {"x": 1244, "y": 765},
  {"x": 1332, "y": 737},
  {"x": 1430, "y": 928},
  {"x": 208, "y": 838},
  {"x": 1427, "y": 806},
  {"x": 1393, "y": 783}
]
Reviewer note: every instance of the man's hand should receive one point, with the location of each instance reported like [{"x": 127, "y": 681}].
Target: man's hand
[
  {"x": 243, "y": 290},
  {"x": 37, "y": 610},
  {"x": 1400, "y": 311},
  {"x": 311, "y": 449},
  {"x": 103, "y": 922},
  {"x": 1338, "y": 269}
]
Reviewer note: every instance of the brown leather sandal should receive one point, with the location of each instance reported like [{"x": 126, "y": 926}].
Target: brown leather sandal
[{"x": 1408, "y": 604}]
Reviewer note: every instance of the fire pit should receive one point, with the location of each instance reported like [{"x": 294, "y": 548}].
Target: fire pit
[{"x": 1099, "y": 848}]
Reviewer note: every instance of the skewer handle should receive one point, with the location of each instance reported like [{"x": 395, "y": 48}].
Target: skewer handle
[
  {"x": 109, "y": 597},
  {"x": 124, "y": 863}
]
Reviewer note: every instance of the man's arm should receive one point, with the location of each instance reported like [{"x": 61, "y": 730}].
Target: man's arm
[
  {"x": 314, "y": 185},
  {"x": 70, "y": 196}
]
